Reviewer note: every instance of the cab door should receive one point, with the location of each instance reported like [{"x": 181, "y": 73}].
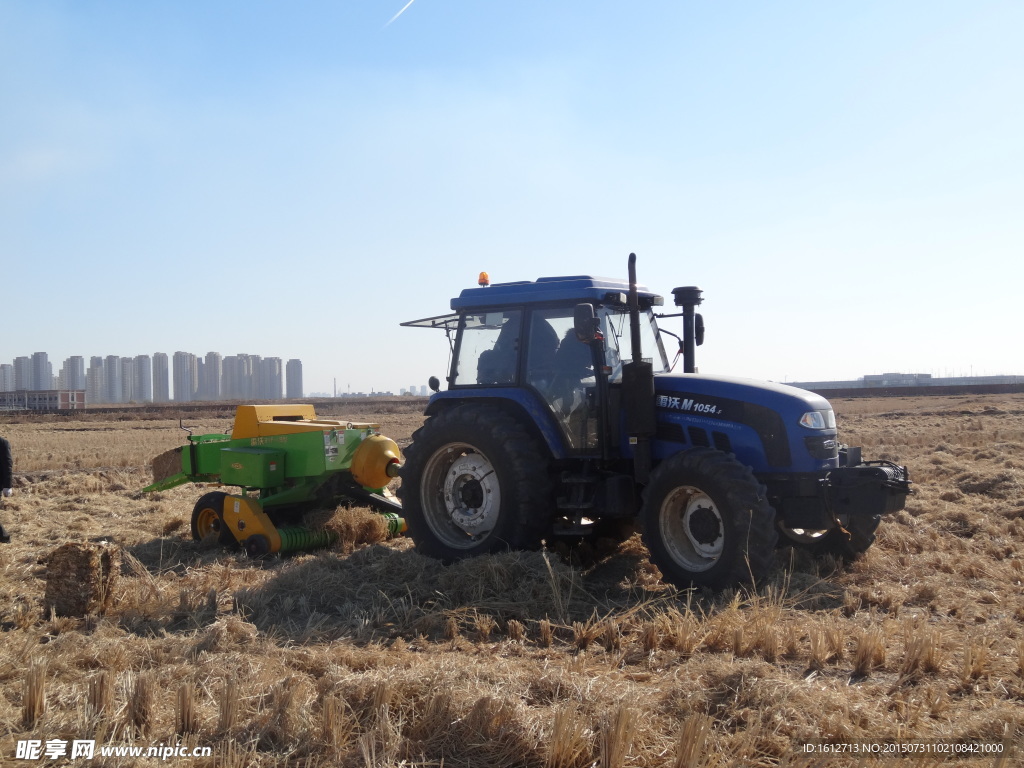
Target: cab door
[{"x": 560, "y": 368}]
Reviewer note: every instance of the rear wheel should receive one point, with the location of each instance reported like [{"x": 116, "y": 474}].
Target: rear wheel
[
  {"x": 474, "y": 482},
  {"x": 208, "y": 519},
  {"x": 707, "y": 521}
]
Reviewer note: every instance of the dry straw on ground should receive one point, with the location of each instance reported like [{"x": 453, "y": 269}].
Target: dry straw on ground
[{"x": 369, "y": 654}]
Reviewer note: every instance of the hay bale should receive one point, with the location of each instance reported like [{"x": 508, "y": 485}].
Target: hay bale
[
  {"x": 80, "y": 578},
  {"x": 353, "y": 527},
  {"x": 167, "y": 464}
]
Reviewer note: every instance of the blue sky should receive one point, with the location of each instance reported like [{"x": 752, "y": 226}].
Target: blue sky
[{"x": 843, "y": 180}]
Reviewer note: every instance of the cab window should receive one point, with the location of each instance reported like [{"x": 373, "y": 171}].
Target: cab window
[
  {"x": 488, "y": 349},
  {"x": 618, "y": 342}
]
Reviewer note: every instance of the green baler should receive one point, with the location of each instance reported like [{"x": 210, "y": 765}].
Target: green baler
[{"x": 287, "y": 462}]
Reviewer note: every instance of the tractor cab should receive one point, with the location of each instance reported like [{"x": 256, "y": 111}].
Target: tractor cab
[{"x": 523, "y": 337}]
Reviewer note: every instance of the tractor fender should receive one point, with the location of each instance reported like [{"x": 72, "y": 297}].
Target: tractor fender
[{"x": 522, "y": 405}]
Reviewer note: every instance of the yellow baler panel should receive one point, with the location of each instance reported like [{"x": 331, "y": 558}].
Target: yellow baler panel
[
  {"x": 249, "y": 417},
  {"x": 245, "y": 517},
  {"x": 273, "y": 428},
  {"x": 273, "y": 420}
]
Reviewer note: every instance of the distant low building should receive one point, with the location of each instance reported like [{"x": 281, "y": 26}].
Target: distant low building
[
  {"x": 43, "y": 400},
  {"x": 893, "y": 380},
  {"x": 897, "y": 379}
]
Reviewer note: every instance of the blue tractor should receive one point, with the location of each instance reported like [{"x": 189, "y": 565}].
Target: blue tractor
[{"x": 562, "y": 417}]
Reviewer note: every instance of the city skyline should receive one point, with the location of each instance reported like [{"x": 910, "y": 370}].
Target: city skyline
[{"x": 159, "y": 377}]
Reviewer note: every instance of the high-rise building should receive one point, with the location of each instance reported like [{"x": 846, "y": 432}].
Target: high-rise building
[
  {"x": 199, "y": 378},
  {"x": 95, "y": 384},
  {"x": 210, "y": 381},
  {"x": 255, "y": 365},
  {"x": 6, "y": 377},
  {"x": 142, "y": 385},
  {"x": 23, "y": 373},
  {"x": 186, "y": 377},
  {"x": 72, "y": 374},
  {"x": 112, "y": 379},
  {"x": 42, "y": 371},
  {"x": 293, "y": 379},
  {"x": 161, "y": 378},
  {"x": 269, "y": 379},
  {"x": 239, "y": 382},
  {"x": 128, "y": 380},
  {"x": 231, "y": 377}
]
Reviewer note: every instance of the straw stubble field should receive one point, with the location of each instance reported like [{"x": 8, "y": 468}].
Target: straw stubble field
[{"x": 371, "y": 655}]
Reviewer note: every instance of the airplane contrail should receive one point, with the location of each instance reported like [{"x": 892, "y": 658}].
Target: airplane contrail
[{"x": 400, "y": 12}]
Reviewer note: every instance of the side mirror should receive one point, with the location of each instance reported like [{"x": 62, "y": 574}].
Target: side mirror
[
  {"x": 585, "y": 323},
  {"x": 434, "y": 384},
  {"x": 698, "y": 329}
]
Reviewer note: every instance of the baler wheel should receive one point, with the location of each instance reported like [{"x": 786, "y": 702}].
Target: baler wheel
[
  {"x": 707, "y": 521},
  {"x": 207, "y": 519}
]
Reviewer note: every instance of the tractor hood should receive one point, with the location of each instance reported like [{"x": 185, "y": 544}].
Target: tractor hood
[
  {"x": 739, "y": 388},
  {"x": 788, "y": 422}
]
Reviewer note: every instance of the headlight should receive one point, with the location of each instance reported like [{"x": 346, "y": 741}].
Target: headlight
[{"x": 819, "y": 419}]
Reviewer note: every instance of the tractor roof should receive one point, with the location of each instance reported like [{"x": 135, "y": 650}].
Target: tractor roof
[{"x": 572, "y": 288}]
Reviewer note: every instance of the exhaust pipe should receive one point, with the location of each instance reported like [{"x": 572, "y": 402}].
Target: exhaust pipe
[{"x": 638, "y": 389}]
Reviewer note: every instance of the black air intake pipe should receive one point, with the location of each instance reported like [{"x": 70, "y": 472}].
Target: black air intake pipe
[{"x": 688, "y": 297}]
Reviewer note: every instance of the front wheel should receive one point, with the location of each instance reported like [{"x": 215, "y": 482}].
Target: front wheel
[
  {"x": 474, "y": 482},
  {"x": 707, "y": 521}
]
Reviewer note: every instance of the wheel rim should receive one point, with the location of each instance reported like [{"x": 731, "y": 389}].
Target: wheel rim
[
  {"x": 692, "y": 528},
  {"x": 207, "y": 522},
  {"x": 461, "y": 496}
]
